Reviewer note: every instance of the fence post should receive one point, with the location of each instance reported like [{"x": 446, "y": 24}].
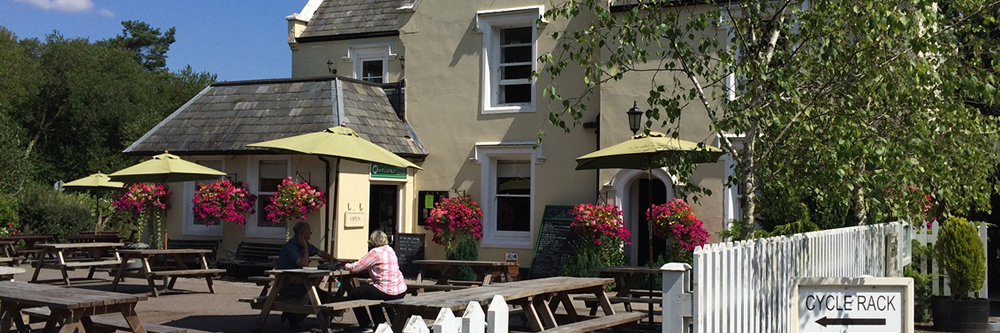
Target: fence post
[
  {"x": 892, "y": 255},
  {"x": 474, "y": 320},
  {"x": 445, "y": 322},
  {"x": 497, "y": 316},
  {"x": 985, "y": 292},
  {"x": 383, "y": 328},
  {"x": 415, "y": 325},
  {"x": 673, "y": 287}
]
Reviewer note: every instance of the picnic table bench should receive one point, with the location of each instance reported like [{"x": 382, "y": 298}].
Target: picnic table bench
[
  {"x": 626, "y": 279},
  {"x": 94, "y": 258},
  {"x": 538, "y": 299},
  {"x": 309, "y": 278},
  {"x": 7, "y": 273},
  {"x": 211, "y": 245},
  {"x": 486, "y": 271},
  {"x": 104, "y": 323},
  {"x": 25, "y": 253},
  {"x": 181, "y": 269},
  {"x": 73, "y": 307}
]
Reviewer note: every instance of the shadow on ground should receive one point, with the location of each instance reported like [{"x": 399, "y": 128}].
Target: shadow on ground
[{"x": 246, "y": 323}]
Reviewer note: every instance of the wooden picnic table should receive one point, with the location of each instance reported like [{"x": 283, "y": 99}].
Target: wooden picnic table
[
  {"x": 310, "y": 279},
  {"x": 180, "y": 268},
  {"x": 94, "y": 257},
  {"x": 7, "y": 273},
  {"x": 29, "y": 245},
  {"x": 538, "y": 298},
  {"x": 626, "y": 279},
  {"x": 72, "y": 307},
  {"x": 485, "y": 270}
]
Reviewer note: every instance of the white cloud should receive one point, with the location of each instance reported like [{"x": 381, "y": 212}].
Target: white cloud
[
  {"x": 69, "y": 6},
  {"x": 106, "y": 12}
]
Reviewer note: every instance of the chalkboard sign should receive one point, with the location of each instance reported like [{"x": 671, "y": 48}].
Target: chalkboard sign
[
  {"x": 409, "y": 247},
  {"x": 556, "y": 242}
]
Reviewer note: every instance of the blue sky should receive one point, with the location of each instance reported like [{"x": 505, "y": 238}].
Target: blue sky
[{"x": 238, "y": 40}]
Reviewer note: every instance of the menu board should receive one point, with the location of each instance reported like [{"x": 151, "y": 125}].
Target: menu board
[
  {"x": 426, "y": 200},
  {"x": 556, "y": 242},
  {"x": 409, "y": 247}
]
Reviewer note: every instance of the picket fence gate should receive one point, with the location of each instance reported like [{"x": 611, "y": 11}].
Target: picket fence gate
[
  {"x": 927, "y": 236},
  {"x": 744, "y": 286},
  {"x": 473, "y": 320}
]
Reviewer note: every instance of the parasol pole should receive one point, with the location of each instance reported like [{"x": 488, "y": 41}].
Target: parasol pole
[{"x": 649, "y": 230}]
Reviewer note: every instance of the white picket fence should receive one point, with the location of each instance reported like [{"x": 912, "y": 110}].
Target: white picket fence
[
  {"x": 928, "y": 236},
  {"x": 744, "y": 286},
  {"x": 473, "y": 320}
]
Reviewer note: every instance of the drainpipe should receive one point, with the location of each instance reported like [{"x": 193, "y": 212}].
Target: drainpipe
[
  {"x": 596, "y": 125},
  {"x": 326, "y": 227}
]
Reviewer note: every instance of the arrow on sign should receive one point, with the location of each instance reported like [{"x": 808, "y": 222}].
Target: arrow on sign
[{"x": 850, "y": 321}]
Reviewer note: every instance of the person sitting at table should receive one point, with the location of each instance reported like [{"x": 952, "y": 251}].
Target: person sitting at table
[
  {"x": 387, "y": 281},
  {"x": 295, "y": 254}
]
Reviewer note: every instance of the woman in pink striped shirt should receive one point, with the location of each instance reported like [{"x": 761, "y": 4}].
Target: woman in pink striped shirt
[{"x": 387, "y": 281}]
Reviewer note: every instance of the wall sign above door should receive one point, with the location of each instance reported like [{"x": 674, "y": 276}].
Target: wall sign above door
[{"x": 383, "y": 171}]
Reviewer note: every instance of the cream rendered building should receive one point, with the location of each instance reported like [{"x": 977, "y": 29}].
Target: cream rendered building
[
  {"x": 473, "y": 113},
  {"x": 479, "y": 126}
]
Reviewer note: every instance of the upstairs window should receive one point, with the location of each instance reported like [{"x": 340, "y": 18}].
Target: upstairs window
[
  {"x": 509, "y": 57},
  {"x": 371, "y": 61},
  {"x": 373, "y": 71}
]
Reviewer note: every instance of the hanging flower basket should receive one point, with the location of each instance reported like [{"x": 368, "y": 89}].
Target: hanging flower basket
[
  {"x": 453, "y": 218},
  {"x": 676, "y": 219},
  {"x": 140, "y": 197},
  {"x": 223, "y": 201},
  {"x": 294, "y": 200},
  {"x": 600, "y": 223}
]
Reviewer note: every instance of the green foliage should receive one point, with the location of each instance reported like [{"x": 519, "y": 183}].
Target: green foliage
[
  {"x": 466, "y": 249},
  {"x": 580, "y": 264},
  {"x": 148, "y": 45},
  {"x": 961, "y": 253},
  {"x": 72, "y": 100},
  {"x": 43, "y": 210},
  {"x": 837, "y": 103},
  {"x": 921, "y": 282}
]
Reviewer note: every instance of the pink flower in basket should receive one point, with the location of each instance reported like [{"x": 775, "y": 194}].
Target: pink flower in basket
[
  {"x": 294, "y": 200},
  {"x": 221, "y": 200},
  {"x": 600, "y": 223},
  {"x": 676, "y": 218}
]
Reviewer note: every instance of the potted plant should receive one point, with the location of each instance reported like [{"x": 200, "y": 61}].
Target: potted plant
[
  {"x": 223, "y": 201},
  {"x": 457, "y": 219},
  {"x": 960, "y": 251}
]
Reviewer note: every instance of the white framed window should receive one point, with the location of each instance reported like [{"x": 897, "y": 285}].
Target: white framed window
[
  {"x": 508, "y": 193},
  {"x": 191, "y": 226},
  {"x": 509, "y": 57},
  {"x": 371, "y": 61},
  {"x": 264, "y": 174},
  {"x": 732, "y": 195}
]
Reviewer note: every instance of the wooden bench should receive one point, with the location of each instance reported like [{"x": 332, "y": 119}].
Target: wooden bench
[
  {"x": 599, "y": 323},
  {"x": 419, "y": 288},
  {"x": 332, "y": 307},
  {"x": 591, "y": 301},
  {"x": 251, "y": 259},
  {"x": 103, "y": 323},
  {"x": 212, "y": 245}
]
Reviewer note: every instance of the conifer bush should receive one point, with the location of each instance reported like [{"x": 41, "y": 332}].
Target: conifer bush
[{"x": 960, "y": 251}]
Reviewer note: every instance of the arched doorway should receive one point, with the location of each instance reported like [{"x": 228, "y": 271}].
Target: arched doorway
[{"x": 631, "y": 189}]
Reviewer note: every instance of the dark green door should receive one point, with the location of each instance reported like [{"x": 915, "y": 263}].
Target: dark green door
[{"x": 384, "y": 201}]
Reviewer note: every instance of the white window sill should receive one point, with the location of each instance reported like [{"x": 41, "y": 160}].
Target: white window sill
[{"x": 508, "y": 109}]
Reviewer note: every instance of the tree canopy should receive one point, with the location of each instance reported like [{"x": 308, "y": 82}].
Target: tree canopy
[
  {"x": 860, "y": 106},
  {"x": 68, "y": 107}
]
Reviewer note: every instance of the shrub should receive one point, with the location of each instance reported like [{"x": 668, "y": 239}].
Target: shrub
[
  {"x": 43, "y": 210},
  {"x": 961, "y": 253},
  {"x": 465, "y": 250},
  {"x": 921, "y": 282}
]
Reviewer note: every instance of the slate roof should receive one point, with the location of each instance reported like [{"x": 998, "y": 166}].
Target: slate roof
[
  {"x": 345, "y": 17},
  {"x": 226, "y": 116}
]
